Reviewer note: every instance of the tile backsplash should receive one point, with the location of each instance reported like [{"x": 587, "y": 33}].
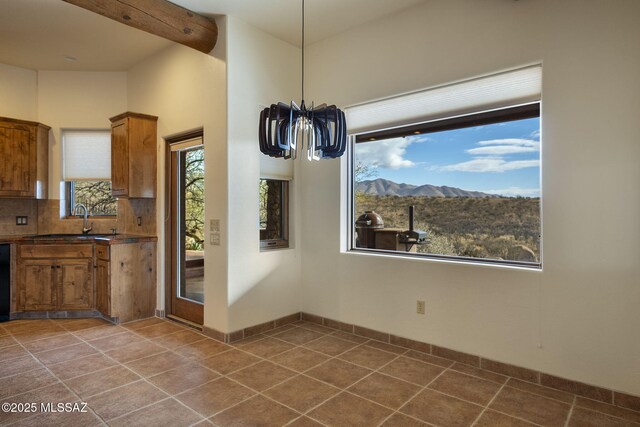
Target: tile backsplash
[
  {"x": 10, "y": 208},
  {"x": 44, "y": 218}
]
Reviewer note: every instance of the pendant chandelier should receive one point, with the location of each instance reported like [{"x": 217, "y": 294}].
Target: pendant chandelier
[{"x": 286, "y": 129}]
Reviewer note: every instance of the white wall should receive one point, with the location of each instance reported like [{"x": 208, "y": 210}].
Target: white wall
[
  {"x": 579, "y": 318},
  {"x": 186, "y": 90},
  {"x": 80, "y": 100},
  {"x": 18, "y": 93},
  {"x": 262, "y": 70}
]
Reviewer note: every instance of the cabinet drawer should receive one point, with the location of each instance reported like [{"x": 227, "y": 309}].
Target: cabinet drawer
[
  {"x": 102, "y": 252},
  {"x": 56, "y": 251}
]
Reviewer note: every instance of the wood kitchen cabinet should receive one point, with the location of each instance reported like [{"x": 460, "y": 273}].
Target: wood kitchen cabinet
[
  {"x": 39, "y": 285},
  {"x": 103, "y": 280},
  {"x": 126, "y": 280},
  {"x": 133, "y": 155},
  {"x": 55, "y": 277},
  {"x": 24, "y": 159}
]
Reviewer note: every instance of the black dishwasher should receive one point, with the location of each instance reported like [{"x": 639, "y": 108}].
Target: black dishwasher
[{"x": 5, "y": 276}]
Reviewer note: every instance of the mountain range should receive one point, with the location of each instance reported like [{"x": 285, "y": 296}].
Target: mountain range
[{"x": 384, "y": 187}]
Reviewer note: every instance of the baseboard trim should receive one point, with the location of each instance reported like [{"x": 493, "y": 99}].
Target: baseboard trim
[
  {"x": 70, "y": 314},
  {"x": 602, "y": 394},
  {"x": 251, "y": 330}
]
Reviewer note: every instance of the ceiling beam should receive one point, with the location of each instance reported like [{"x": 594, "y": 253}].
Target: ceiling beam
[{"x": 158, "y": 17}]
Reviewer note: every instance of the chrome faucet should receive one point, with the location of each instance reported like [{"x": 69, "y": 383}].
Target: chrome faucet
[{"x": 85, "y": 229}]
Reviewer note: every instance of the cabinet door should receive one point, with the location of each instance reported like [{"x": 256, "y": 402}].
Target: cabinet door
[
  {"x": 119, "y": 159},
  {"x": 37, "y": 284},
  {"x": 17, "y": 156},
  {"x": 103, "y": 287},
  {"x": 76, "y": 284}
]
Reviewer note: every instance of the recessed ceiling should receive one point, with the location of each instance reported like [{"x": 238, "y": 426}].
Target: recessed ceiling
[{"x": 54, "y": 35}]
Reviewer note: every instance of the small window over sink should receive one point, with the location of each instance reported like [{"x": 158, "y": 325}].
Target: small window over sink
[
  {"x": 87, "y": 171},
  {"x": 274, "y": 214}
]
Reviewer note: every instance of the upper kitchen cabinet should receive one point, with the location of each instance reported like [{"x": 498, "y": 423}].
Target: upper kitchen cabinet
[
  {"x": 133, "y": 155},
  {"x": 24, "y": 159}
]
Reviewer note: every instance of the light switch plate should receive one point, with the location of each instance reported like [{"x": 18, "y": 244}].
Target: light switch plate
[{"x": 214, "y": 225}]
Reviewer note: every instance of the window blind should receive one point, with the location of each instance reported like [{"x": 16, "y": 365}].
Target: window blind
[
  {"x": 86, "y": 155},
  {"x": 499, "y": 90}
]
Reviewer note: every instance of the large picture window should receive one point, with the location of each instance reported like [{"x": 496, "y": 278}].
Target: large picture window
[{"x": 460, "y": 188}]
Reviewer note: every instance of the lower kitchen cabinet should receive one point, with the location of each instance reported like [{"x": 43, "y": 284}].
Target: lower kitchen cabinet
[
  {"x": 126, "y": 280},
  {"x": 76, "y": 284},
  {"x": 55, "y": 277},
  {"x": 38, "y": 290},
  {"x": 118, "y": 279},
  {"x": 103, "y": 287}
]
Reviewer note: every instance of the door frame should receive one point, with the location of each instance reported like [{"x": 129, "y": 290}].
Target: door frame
[{"x": 170, "y": 212}]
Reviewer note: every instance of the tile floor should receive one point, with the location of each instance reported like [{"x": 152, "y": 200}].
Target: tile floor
[{"x": 158, "y": 373}]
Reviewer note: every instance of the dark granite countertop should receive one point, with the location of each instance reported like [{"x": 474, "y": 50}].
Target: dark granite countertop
[{"x": 103, "y": 239}]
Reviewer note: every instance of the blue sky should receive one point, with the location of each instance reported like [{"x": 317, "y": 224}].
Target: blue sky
[{"x": 502, "y": 158}]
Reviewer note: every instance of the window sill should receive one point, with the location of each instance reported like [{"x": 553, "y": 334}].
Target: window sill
[
  {"x": 479, "y": 262},
  {"x": 268, "y": 246}
]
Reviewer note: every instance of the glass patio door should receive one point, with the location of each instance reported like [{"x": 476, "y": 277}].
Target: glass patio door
[{"x": 187, "y": 229}]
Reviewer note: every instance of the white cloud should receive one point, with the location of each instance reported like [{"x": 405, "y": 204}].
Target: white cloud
[
  {"x": 510, "y": 141},
  {"x": 516, "y": 191},
  {"x": 387, "y": 154},
  {"x": 491, "y": 156},
  {"x": 490, "y": 164},
  {"x": 500, "y": 149}
]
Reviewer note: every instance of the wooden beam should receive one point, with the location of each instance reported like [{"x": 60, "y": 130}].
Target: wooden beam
[{"x": 159, "y": 17}]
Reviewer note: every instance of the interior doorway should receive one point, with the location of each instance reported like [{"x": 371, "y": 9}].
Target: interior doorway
[{"x": 185, "y": 227}]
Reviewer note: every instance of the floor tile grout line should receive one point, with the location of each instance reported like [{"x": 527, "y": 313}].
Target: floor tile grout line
[
  {"x": 506, "y": 378},
  {"x": 256, "y": 393},
  {"x": 20, "y": 357},
  {"x": 126, "y": 367},
  {"x": 295, "y": 346},
  {"x": 67, "y": 387},
  {"x": 423, "y": 388},
  {"x": 169, "y": 397},
  {"x": 345, "y": 389},
  {"x": 452, "y": 368},
  {"x": 606, "y": 413},
  {"x": 570, "y": 413},
  {"x": 301, "y": 417},
  {"x": 489, "y": 403},
  {"x": 573, "y": 396},
  {"x": 516, "y": 417}
]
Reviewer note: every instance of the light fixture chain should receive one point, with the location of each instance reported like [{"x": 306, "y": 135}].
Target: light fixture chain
[{"x": 303, "y": 51}]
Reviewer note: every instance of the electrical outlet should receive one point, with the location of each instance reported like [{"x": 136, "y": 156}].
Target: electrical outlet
[
  {"x": 420, "y": 307},
  {"x": 139, "y": 221}
]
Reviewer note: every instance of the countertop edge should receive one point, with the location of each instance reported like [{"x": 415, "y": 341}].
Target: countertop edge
[{"x": 101, "y": 240}]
